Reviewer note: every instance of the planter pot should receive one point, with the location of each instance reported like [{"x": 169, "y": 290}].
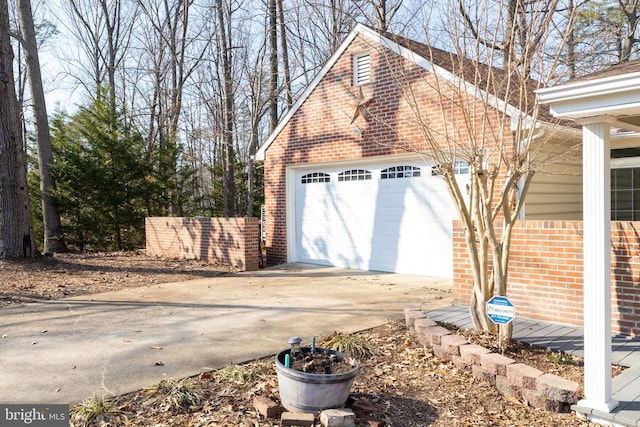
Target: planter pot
[{"x": 304, "y": 392}]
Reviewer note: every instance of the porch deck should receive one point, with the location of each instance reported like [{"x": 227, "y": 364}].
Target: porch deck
[{"x": 569, "y": 339}]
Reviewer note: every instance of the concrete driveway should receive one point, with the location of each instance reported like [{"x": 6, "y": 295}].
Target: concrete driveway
[{"x": 67, "y": 350}]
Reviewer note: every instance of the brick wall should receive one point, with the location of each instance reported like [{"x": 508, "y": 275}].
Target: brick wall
[
  {"x": 545, "y": 272},
  {"x": 321, "y": 130},
  {"x": 227, "y": 241}
]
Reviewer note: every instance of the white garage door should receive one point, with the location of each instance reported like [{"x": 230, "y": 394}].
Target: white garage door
[{"x": 393, "y": 217}]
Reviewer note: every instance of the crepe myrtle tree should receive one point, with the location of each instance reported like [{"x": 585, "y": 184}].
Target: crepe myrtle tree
[{"x": 478, "y": 105}]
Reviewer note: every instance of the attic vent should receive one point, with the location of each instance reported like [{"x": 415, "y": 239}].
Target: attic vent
[{"x": 361, "y": 68}]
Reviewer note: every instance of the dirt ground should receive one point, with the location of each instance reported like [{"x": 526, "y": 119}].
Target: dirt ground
[
  {"x": 402, "y": 383},
  {"x": 66, "y": 275}
]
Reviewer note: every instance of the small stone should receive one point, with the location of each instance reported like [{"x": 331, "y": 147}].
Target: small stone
[
  {"x": 523, "y": 376},
  {"x": 301, "y": 419},
  {"x": 420, "y": 325},
  {"x": 459, "y": 363},
  {"x": 452, "y": 343},
  {"x": 557, "y": 388},
  {"x": 495, "y": 364},
  {"x": 265, "y": 406},
  {"x": 438, "y": 351},
  {"x": 538, "y": 400},
  {"x": 505, "y": 387},
  {"x": 471, "y": 353},
  {"x": 337, "y": 418},
  {"x": 374, "y": 422},
  {"x": 411, "y": 317},
  {"x": 481, "y": 373},
  {"x": 435, "y": 334}
]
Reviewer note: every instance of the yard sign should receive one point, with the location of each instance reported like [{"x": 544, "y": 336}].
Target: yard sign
[{"x": 500, "y": 310}]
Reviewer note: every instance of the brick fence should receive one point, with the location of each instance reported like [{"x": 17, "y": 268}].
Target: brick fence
[
  {"x": 545, "y": 272},
  {"x": 228, "y": 241}
]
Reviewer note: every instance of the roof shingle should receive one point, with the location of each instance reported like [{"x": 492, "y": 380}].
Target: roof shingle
[{"x": 495, "y": 81}]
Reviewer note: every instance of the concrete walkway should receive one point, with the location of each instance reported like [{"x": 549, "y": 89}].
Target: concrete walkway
[{"x": 67, "y": 350}]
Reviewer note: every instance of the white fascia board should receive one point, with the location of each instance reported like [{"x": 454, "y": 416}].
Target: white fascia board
[
  {"x": 600, "y": 105},
  {"x": 607, "y": 96},
  {"x": 305, "y": 94}
]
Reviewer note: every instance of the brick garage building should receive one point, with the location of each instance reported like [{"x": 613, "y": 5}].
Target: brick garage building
[{"x": 346, "y": 183}]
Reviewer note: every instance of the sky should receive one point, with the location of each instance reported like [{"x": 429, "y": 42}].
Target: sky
[{"x": 59, "y": 92}]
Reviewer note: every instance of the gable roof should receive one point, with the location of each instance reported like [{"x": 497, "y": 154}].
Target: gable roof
[
  {"x": 481, "y": 80},
  {"x": 485, "y": 78},
  {"x": 612, "y": 71}
]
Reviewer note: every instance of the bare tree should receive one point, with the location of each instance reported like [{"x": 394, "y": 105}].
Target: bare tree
[
  {"x": 513, "y": 28},
  {"x": 102, "y": 29},
  {"x": 224, "y": 51},
  {"x": 273, "y": 64},
  {"x": 171, "y": 50},
  {"x": 604, "y": 33},
  {"x": 629, "y": 37},
  {"x": 53, "y": 240},
  {"x": 383, "y": 12},
  {"x": 16, "y": 237},
  {"x": 475, "y": 115},
  {"x": 257, "y": 106},
  {"x": 317, "y": 30},
  {"x": 286, "y": 70}
]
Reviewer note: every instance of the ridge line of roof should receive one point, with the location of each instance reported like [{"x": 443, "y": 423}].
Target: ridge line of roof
[{"x": 411, "y": 50}]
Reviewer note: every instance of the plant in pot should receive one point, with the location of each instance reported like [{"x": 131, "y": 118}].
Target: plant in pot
[{"x": 311, "y": 379}]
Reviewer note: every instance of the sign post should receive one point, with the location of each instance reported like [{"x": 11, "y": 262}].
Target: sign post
[{"x": 501, "y": 312}]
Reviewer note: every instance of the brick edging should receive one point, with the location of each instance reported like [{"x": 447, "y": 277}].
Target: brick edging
[{"x": 526, "y": 383}]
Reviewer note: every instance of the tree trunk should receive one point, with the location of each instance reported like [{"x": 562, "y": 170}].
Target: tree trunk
[
  {"x": 381, "y": 15},
  {"x": 630, "y": 10},
  {"x": 53, "y": 239},
  {"x": 16, "y": 237},
  {"x": 251, "y": 166},
  {"x": 111, "y": 25},
  {"x": 227, "y": 131},
  {"x": 273, "y": 66},
  {"x": 571, "y": 43},
  {"x": 288, "y": 97}
]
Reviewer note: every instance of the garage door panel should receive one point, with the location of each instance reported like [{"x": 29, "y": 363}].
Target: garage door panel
[{"x": 400, "y": 225}]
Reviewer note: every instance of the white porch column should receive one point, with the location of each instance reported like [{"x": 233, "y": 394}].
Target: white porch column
[{"x": 597, "y": 264}]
